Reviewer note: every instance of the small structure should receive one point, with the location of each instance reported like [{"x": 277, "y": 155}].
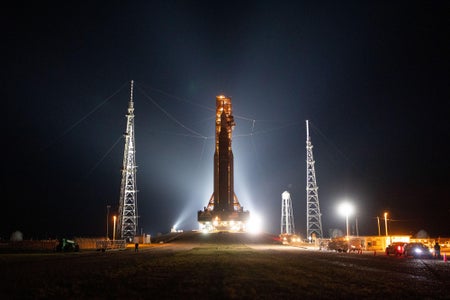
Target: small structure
[{"x": 287, "y": 214}]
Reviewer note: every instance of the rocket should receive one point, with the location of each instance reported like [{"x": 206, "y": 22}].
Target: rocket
[
  {"x": 223, "y": 157},
  {"x": 223, "y": 208}
]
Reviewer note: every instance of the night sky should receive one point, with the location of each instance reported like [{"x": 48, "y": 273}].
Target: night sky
[{"x": 372, "y": 77}]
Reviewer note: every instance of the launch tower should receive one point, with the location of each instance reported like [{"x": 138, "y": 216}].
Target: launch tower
[
  {"x": 223, "y": 211},
  {"x": 313, "y": 216},
  {"x": 127, "y": 218}
]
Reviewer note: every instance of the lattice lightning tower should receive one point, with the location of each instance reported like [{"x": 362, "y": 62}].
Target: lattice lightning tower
[
  {"x": 313, "y": 215},
  {"x": 287, "y": 214},
  {"x": 127, "y": 219}
]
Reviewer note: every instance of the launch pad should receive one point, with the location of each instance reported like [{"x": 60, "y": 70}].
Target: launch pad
[{"x": 223, "y": 212}]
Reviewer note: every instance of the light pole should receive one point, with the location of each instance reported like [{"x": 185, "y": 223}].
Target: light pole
[
  {"x": 346, "y": 209},
  {"x": 385, "y": 222},
  {"x": 356, "y": 225},
  {"x": 379, "y": 232},
  {"x": 107, "y": 221},
  {"x": 114, "y": 229}
]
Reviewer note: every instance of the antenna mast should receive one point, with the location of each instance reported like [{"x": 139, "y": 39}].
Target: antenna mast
[
  {"x": 127, "y": 219},
  {"x": 313, "y": 215}
]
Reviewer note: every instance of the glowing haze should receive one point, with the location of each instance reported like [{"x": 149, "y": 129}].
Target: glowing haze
[{"x": 371, "y": 77}]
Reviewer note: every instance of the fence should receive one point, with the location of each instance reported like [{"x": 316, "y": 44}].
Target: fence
[{"x": 104, "y": 245}]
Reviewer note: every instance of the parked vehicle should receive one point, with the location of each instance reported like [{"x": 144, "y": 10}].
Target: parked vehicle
[
  {"x": 417, "y": 250},
  {"x": 342, "y": 245},
  {"x": 338, "y": 244},
  {"x": 66, "y": 245},
  {"x": 396, "y": 248}
]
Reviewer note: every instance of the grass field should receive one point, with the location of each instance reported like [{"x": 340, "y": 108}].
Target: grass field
[{"x": 203, "y": 270}]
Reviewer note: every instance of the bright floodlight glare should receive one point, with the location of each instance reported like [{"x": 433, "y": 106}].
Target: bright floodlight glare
[
  {"x": 254, "y": 225},
  {"x": 345, "y": 209},
  {"x": 205, "y": 227}
]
